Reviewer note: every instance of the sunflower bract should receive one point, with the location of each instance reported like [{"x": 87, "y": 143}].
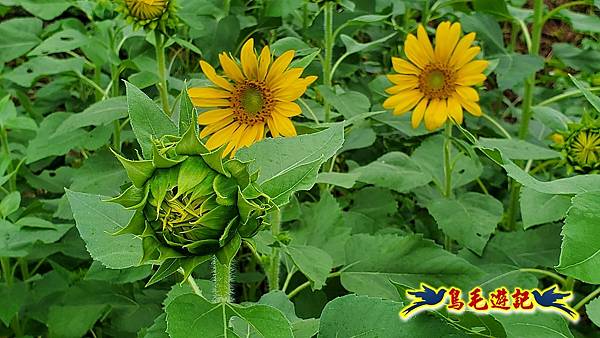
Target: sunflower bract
[{"x": 149, "y": 14}]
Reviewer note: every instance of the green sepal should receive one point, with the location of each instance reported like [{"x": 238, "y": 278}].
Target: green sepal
[
  {"x": 215, "y": 218},
  {"x": 245, "y": 207},
  {"x": 190, "y": 144},
  {"x": 238, "y": 170},
  {"x": 252, "y": 226},
  {"x": 225, "y": 188},
  {"x": 203, "y": 247},
  {"x": 186, "y": 265},
  {"x": 160, "y": 184},
  {"x": 214, "y": 159},
  {"x": 137, "y": 171},
  {"x": 132, "y": 198},
  {"x": 191, "y": 173},
  {"x": 136, "y": 224},
  {"x": 229, "y": 231},
  {"x": 228, "y": 252},
  {"x": 161, "y": 161}
]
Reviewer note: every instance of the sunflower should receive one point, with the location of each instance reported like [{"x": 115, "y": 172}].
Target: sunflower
[
  {"x": 436, "y": 82},
  {"x": 258, "y": 93},
  {"x": 149, "y": 13},
  {"x": 583, "y": 149}
]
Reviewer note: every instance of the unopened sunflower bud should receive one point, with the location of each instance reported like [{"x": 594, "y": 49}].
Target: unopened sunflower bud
[{"x": 149, "y": 14}]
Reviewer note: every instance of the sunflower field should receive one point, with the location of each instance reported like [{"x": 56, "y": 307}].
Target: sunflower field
[{"x": 300, "y": 168}]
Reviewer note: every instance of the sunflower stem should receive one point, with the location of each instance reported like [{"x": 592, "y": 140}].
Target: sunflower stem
[
  {"x": 222, "y": 281},
  {"x": 114, "y": 93},
  {"x": 162, "y": 71},
  {"x": 448, "y": 173},
  {"x": 329, "y": 41},
  {"x": 12, "y": 181},
  {"x": 586, "y": 299},
  {"x": 275, "y": 260},
  {"x": 536, "y": 35}
]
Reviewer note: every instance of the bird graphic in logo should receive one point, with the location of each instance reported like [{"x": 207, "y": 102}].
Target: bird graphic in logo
[
  {"x": 552, "y": 299},
  {"x": 425, "y": 297}
]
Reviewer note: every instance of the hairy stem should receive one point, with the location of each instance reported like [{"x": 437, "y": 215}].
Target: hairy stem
[
  {"x": 328, "y": 41},
  {"x": 275, "y": 260},
  {"x": 162, "y": 72},
  {"x": 222, "y": 281},
  {"x": 448, "y": 172}
]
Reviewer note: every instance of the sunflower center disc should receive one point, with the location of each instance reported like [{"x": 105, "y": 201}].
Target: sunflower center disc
[
  {"x": 436, "y": 80},
  {"x": 252, "y": 101}
]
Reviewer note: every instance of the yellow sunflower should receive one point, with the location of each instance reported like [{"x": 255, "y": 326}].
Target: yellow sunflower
[
  {"x": 437, "y": 82},
  {"x": 583, "y": 149},
  {"x": 258, "y": 93}
]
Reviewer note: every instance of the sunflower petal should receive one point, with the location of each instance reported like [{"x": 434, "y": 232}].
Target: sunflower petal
[
  {"x": 424, "y": 42},
  {"x": 272, "y": 127},
  {"x": 280, "y": 65},
  {"x": 404, "y": 67},
  {"x": 263, "y": 63},
  {"x": 470, "y": 106},
  {"x": 287, "y": 109},
  {"x": 208, "y": 93},
  {"x": 455, "y": 110},
  {"x": 435, "y": 115},
  {"x": 213, "y": 116},
  {"x": 235, "y": 140},
  {"x": 284, "y": 125},
  {"x": 445, "y": 41},
  {"x": 213, "y": 127},
  {"x": 221, "y": 137},
  {"x": 401, "y": 98},
  {"x": 230, "y": 68},
  {"x": 249, "y": 61},
  {"x": 418, "y": 112},
  {"x": 467, "y": 93},
  {"x": 210, "y": 73},
  {"x": 415, "y": 52}
]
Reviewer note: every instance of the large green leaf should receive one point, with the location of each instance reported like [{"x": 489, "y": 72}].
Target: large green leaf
[
  {"x": 18, "y": 36},
  {"x": 16, "y": 240},
  {"x": 593, "y": 311},
  {"x": 13, "y": 298},
  {"x": 539, "y": 208},
  {"x": 519, "y": 149},
  {"x": 537, "y": 324},
  {"x": 63, "y": 41},
  {"x": 470, "y": 218},
  {"x": 27, "y": 73},
  {"x": 148, "y": 121},
  {"x": 190, "y": 316},
  {"x": 580, "y": 254},
  {"x": 376, "y": 260},
  {"x": 514, "y": 68},
  {"x": 362, "y": 316},
  {"x": 313, "y": 262},
  {"x": 394, "y": 170},
  {"x": 97, "y": 221},
  {"x": 98, "y": 114}
]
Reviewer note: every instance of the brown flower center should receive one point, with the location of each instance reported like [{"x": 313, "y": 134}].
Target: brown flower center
[
  {"x": 252, "y": 102},
  {"x": 437, "y": 81}
]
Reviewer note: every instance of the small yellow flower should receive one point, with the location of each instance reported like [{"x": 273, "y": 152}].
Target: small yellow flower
[
  {"x": 437, "y": 82},
  {"x": 259, "y": 93},
  {"x": 583, "y": 149},
  {"x": 149, "y": 13},
  {"x": 557, "y": 138},
  {"x": 147, "y": 9}
]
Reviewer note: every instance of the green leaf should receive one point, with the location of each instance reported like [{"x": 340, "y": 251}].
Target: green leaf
[
  {"x": 592, "y": 99},
  {"x": 429, "y": 156},
  {"x": 63, "y": 41},
  {"x": 10, "y": 203},
  {"x": 353, "y": 46},
  {"x": 98, "y": 114},
  {"x": 580, "y": 254},
  {"x": 313, "y": 262},
  {"x": 27, "y": 73},
  {"x": 487, "y": 29},
  {"x": 376, "y": 260},
  {"x": 394, "y": 170},
  {"x": 348, "y": 104},
  {"x": 536, "y": 324},
  {"x": 514, "y": 68},
  {"x": 13, "y": 298},
  {"x": 582, "y": 22},
  {"x": 344, "y": 180},
  {"x": 539, "y": 208},
  {"x": 97, "y": 221},
  {"x": 593, "y": 311},
  {"x": 302, "y": 328},
  {"x": 73, "y": 321},
  {"x": 362, "y": 316},
  {"x": 190, "y": 316},
  {"x": 18, "y": 36},
  {"x": 577, "y": 58},
  {"x": 552, "y": 118},
  {"x": 117, "y": 276},
  {"x": 148, "y": 121},
  {"x": 519, "y": 149},
  {"x": 303, "y": 177},
  {"x": 187, "y": 112},
  {"x": 138, "y": 171},
  {"x": 281, "y": 8},
  {"x": 495, "y": 7},
  {"x": 45, "y": 9},
  {"x": 469, "y": 219}
]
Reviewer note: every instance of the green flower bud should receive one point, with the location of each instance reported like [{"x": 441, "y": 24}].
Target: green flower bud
[
  {"x": 189, "y": 203},
  {"x": 582, "y": 148},
  {"x": 149, "y": 14}
]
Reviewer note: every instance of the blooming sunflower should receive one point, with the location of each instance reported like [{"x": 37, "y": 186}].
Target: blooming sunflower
[
  {"x": 259, "y": 93},
  {"x": 436, "y": 82},
  {"x": 149, "y": 13}
]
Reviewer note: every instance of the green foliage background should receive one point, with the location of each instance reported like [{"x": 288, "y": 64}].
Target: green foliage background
[{"x": 362, "y": 216}]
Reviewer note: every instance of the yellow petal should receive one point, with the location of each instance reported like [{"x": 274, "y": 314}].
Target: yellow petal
[
  {"x": 424, "y": 42},
  {"x": 287, "y": 109},
  {"x": 461, "y": 48},
  {"x": 400, "y": 98},
  {"x": 472, "y": 68},
  {"x": 288, "y": 78},
  {"x": 248, "y": 137},
  {"x": 435, "y": 115},
  {"x": 404, "y": 67},
  {"x": 279, "y": 66},
  {"x": 293, "y": 92},
  {"x": 210, "y": 73},
  {"x": 445, "y": 40},
  {"x": 208, "y": 93},
  {"x": 464, "y": 57},
  {"x": 263, "y": 63},
  {"x": 467, "y": 93},
  {"x": 261, "y": 132},
  {"x": 470, "y": 80},
  {"x": 284, "y": 125},
  {"x": 415, "y": 52},
  {"x": 418, "y": 112},
  {"x": 272, "y": 127},
  {"x": 207, "y": 103},
  {"x": 401, "y": 79},
  {"x": 249, "y": 61},
  {"x": 407, "y": 105},
  {"x": 213, "y": 116},
  {"x": 211, "y": 128},
  {"x": 470, "y": 106},
  {"x": 221, "y": 137},
  {"x": 401, "y": 87},
  {"x": 455, "y": 110},
  {"x": 230, "y": 68},
  {"x": 235, "y": 140}
]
